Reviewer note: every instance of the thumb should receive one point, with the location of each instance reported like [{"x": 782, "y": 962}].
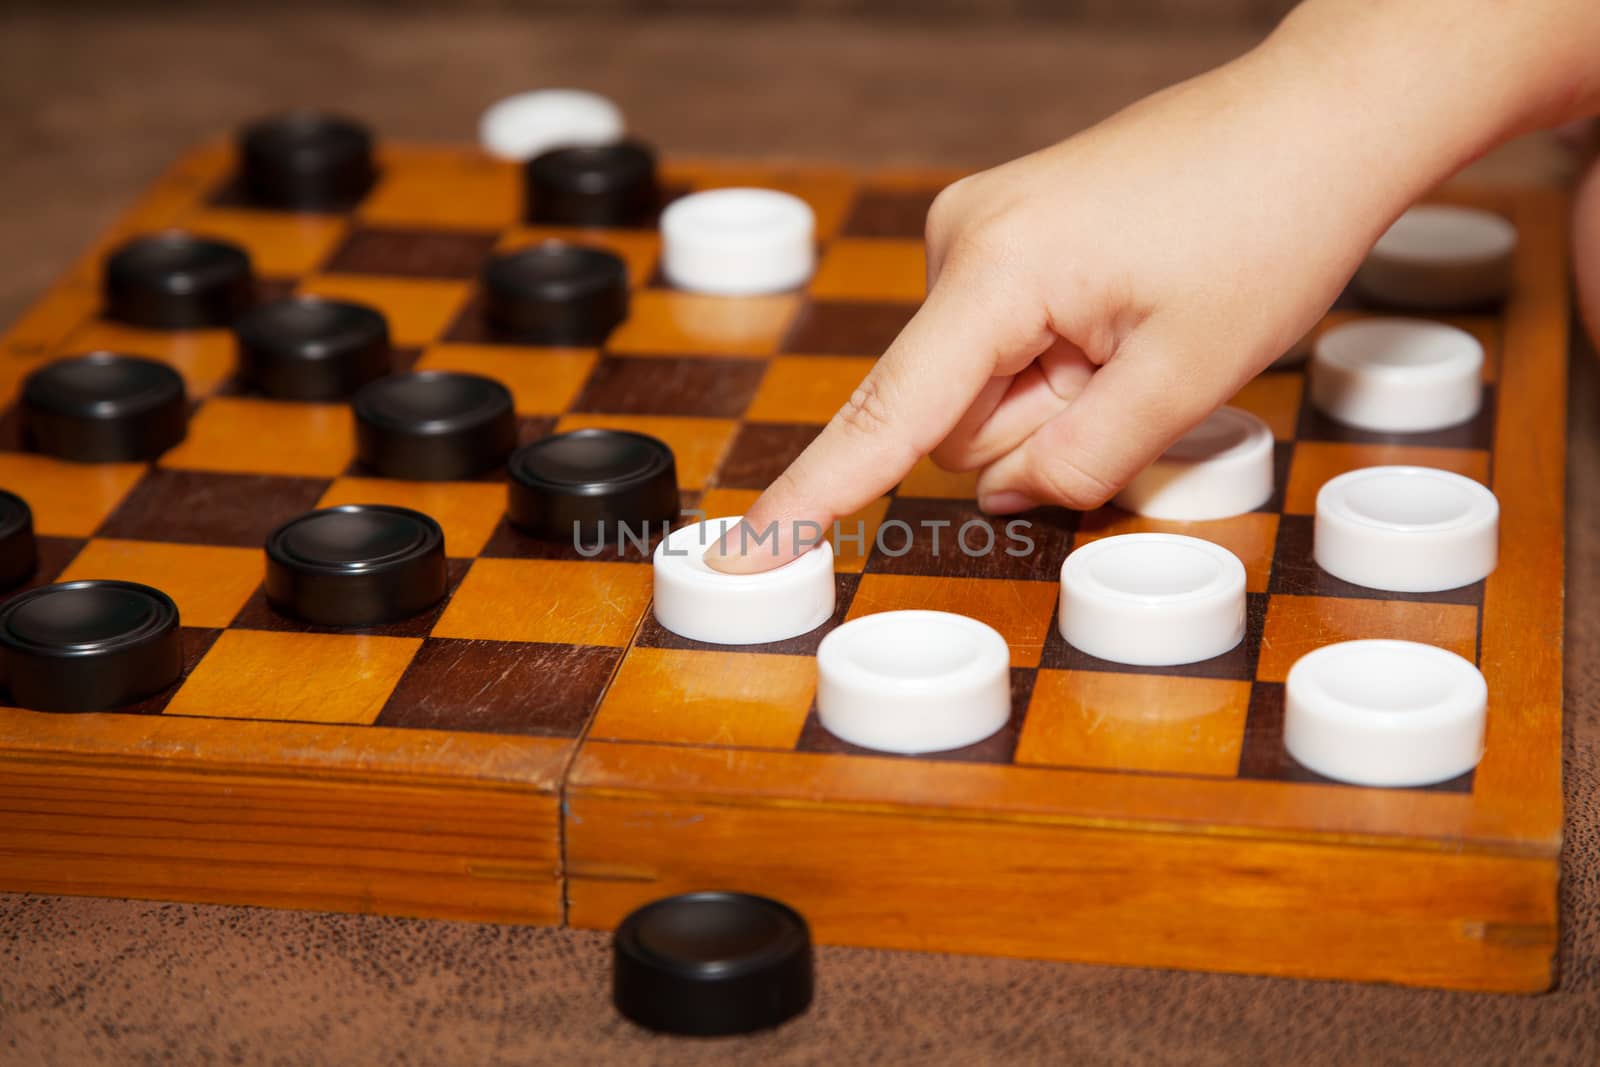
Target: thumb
[{"x": 1134, "y": 407}]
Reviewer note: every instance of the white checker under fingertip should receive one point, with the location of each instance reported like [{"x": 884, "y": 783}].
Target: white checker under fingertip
[
  {"x": 702, "y": 604},
  {"x": 1406, "y": 529},
  {"x": 738, "y": 242},
  {"x": 1397, "y": 375},
  {"x": 1385, "y": 713},
  {"x": 913, "y": 681},
  {"x": 1152, "y": 599},
  {"x": 1440, "y": 257},
  {"x": 1222, "y": 467},
  {"x": 533, "y": 123}
]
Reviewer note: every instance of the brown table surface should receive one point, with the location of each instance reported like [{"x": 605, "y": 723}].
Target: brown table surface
[{"x": 92, "y": 106}]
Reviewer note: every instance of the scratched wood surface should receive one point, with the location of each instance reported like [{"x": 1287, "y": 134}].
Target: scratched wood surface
[{"x": 537, "y": 749}]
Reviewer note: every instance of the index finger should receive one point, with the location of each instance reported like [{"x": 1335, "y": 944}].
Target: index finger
[{"x": 909, "y": 402}]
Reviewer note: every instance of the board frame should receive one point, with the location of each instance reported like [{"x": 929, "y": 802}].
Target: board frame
[{"x": 1440, "y": 889}]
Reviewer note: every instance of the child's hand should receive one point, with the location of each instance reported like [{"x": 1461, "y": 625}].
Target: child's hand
[{"x": 1089, "y": 303}]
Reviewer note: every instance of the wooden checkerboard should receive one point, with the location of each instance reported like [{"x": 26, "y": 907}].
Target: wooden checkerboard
[{"x": 538, "y": 749}]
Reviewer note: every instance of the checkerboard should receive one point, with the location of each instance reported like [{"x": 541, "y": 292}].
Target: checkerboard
[{"x": 537, "y": 748}]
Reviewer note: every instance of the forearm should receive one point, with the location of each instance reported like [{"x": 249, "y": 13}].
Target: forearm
[
  {"x": 1446, "y": 80},
  {"x": 1364, "y": 105}
]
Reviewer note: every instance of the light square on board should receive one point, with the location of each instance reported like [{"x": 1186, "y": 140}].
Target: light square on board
[
  {"x": 44, "y": 327},
  {"x": 671, "y": 323},
  {"x": 871, "y": 269},
  {"x": 281, "y": 244},
  {"x": 543, "y": 381},
  {"x": 928, "y": 479},
  {"x": 419, "y": 310},
  {"x": 697, "y": 444},
  {"x": 13, "y": 371},
  {"x": 209, "y": 583},
  {"x": 1275, "y": 399},
  {"x": 686, "y": 697},
  {"x": 205, "y": 358},
  {"x": 457, "y": 189},
  {"x": 67, "y": 499},
  {"x": 247, "y": 435},
  {"x": 1135, "y": 722},
  {"x": 638, "y": 249},
  {"x": 1299, "y": 624},
  {"x": 1315, "y": 462},
  {"x": 807, "y": 388},
  {"x": 1251, "y": 536},
  {"x": 1019, "y": 610},
  {"x": 295, "y": 677},
  {"x": 468, "y": 512},
  {"x": 549, "y": 601}
]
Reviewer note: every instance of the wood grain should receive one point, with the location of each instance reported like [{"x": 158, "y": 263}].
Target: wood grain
[
  {"x": 1020, "y": 889},
  {"x": 443, "y": 770}
]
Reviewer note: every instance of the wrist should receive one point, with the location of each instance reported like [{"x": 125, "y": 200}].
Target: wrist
[{"x": 1423, "y": 87}]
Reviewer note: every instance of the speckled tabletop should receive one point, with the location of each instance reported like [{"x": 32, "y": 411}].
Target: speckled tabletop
[{"x": 93, "y": 105}]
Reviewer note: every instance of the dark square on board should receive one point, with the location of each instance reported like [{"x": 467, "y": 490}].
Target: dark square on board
[
  {"x": 208, "y": 508},
  {"x": 998, "y": 747},
  {"x": 706, "y": 388},
  {"x": 1238, "y": 663},
  {"x": 196, "y": 642},
  {"x": 847, "y": 328},
  {"x": 1262, "y": 755},
  {"x": 1295, "y": 572},
  {"x": 54, "y": 554},
  {"x": 901, "y": 213},
  {"x": 624, "y": 543},
  {"x": 500, "y": 687},
  {"x": 231, "y": 193},
  {"x": 953, "y": 539},
  {"x": 653, "y": 635},
  {"x": 412, "y": 253},
  {"x": 761, "y": 451},
  {"x": 1477, "y": 432},
  {"x": 257, "y": 614}
]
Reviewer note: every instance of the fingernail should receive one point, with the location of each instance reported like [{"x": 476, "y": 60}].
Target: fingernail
[
  {"x": 729, "y": 552},
  {"x": 1005, "y": 502}
]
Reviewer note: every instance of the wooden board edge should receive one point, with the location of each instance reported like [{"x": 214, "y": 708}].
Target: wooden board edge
[
  {"x": 290, "y": 749},
  {"x": 1005, "y": 794},
  {"x": 170, "y": 832},
  {"x": 1290, "y": 909},
  {"x": 1521, "y": 646}
]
